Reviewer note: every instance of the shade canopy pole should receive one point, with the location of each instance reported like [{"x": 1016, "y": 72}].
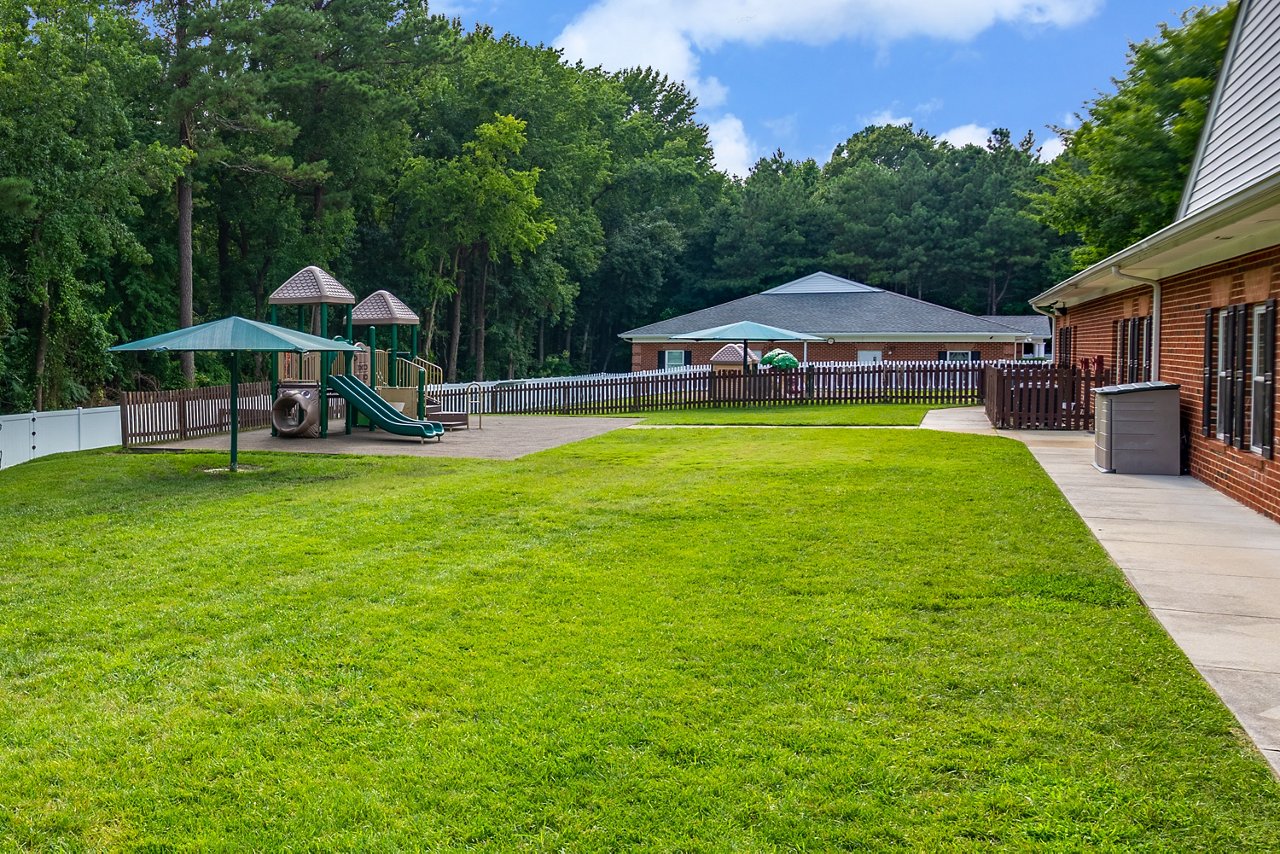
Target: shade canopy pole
[{"x": 235, "y": 408}]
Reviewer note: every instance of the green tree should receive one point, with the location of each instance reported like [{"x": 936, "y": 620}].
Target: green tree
[
  {"x": 71, "y": 176},
  {"x": 1124, "y": 168}
]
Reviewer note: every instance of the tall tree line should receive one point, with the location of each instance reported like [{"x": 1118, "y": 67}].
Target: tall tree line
[{"x": 171, "y": 161}]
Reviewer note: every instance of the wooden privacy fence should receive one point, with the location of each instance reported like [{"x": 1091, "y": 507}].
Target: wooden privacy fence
[
  {"x": 180, "y": 414},
  {"x": 885, "y": 382},
  {"x": 1042, "y": 397}
]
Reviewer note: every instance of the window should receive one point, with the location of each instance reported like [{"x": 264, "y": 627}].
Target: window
[
  {"x": 1133, "y": 349},
  {"x": 1239, "y": 376},
  {"x": 1262, "y": 369},
  {"x": 870, "y": 357},
  {"x": 671, "y": 359},
  {"x": 1066, "y": 351},
  {"x": 959, "y": 356},
  {"x": 1225, "y": 335}
]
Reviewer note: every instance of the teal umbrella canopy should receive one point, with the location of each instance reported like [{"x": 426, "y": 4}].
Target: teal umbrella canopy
[
  {"x": 236, "y": 334},
  {"x": 746, "y": 330}
]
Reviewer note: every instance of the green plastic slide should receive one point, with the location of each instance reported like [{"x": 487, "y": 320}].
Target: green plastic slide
[{"x": 380, "y": 413}]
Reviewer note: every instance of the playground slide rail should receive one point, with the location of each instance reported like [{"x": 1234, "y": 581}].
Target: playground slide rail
[{"x": 381, "y": 413}]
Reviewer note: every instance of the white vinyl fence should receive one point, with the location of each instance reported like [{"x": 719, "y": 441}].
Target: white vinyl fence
[{"x": 29, "y": 435}]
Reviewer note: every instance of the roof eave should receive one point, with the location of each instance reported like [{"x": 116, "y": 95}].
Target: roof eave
[{"x": 1197, "y": 241}]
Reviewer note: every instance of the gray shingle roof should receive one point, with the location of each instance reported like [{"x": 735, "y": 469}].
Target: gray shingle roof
[
  {"x": 1032, "y": 324},
  {"x": 311, "y": 286},
  {"x": 383, "y": 308},
  {"x": 821, "y": 283},
  {"x": 850, "y": 311}
]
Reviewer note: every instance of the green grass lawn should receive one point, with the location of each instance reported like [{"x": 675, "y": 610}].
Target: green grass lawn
[
  {"x": 669, "y": 640},
  {"x": 826, "y": 415}
]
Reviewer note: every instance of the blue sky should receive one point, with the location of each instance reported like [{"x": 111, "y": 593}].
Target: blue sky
[{"x": 805, "y": 74}]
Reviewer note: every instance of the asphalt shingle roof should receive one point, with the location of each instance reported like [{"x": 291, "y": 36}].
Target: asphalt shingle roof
[
  {"x": 383, "y": 308},
  {"x": 833, "y": 311},
  {"x": 311, "y": 286},
  {"x": 1032, "y": 324}
]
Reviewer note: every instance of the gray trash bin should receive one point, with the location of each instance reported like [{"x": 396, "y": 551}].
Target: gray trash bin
[{"x": 1136, "y": 429}]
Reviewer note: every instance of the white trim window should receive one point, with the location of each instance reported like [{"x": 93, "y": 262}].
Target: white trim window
[
  {"x": 673, "y": 359},
  {"x": 1258, "y": 381},
  {"x": 959, "y": 356},
  {"x": 1224, "y": 374},
  {"x": 870, "y": 357}
]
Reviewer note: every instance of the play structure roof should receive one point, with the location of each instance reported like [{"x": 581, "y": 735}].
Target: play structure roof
[
  {"x": 311, "y": 286},
  {"x": 382, "y": 308},
  {"x": 236, "y": 334},
  {"x": 732, "y": 353}
]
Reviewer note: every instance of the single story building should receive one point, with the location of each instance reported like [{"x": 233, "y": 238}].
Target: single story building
[
  {"x": 1037, "y": 326},
  {"x": 1195, "y": 303},
  {"x": 858, "y": 323}
]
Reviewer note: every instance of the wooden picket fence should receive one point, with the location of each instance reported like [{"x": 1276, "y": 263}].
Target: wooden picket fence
[
  {"x": 1042, "y": 397},
  {"x": 885, "y": 382},
  {"x": 180, "y": 414}
]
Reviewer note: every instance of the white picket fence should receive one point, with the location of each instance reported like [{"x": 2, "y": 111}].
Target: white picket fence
[{"x": 25, "y": 436}]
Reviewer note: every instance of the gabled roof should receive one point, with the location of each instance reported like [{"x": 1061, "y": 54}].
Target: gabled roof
[
  {"x": 840, "y": 309},
  {"x": 1036, "y": 325},
  {"x": 311, "y": 286},
  {"x": 382, "y": 308},
  {"x": 822, "y": 283},
  {"x": 1231, "y": 204},
  {"x": 1240, "y": 143}
]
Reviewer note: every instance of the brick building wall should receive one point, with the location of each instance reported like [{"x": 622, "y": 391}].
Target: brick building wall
[
  {"x": 1250, "y": 279},
  {"x": 644, "y": 357},
  {"x": 1093, "y": 327}
]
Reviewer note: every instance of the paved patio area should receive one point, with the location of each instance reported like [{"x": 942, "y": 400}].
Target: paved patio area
[
  {"x": 503, "y": 437},
  {"x": 1207, "y": 567}
]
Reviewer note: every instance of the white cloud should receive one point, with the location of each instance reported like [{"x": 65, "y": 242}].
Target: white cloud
[
  {"x": 970, "y": 134},
  {"x": 1051, "y": 148},
  {"x": 735, "y": 153},
  {"x": 886, "y": 117},
  {"x": 671, "y": 34}
]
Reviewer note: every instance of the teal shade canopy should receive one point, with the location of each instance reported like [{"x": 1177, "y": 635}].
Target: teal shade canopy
[
  {"x": 746, "y": 330},
  {"x": 236, "y": 334}
]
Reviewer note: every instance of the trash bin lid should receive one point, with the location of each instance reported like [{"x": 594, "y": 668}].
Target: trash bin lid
[{"x": 1130, "y": 388}]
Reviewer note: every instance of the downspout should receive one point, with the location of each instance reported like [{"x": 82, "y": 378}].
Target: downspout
[
  {"x": 1053, "y": 326},
  {"x": 1155, "y": 315}
]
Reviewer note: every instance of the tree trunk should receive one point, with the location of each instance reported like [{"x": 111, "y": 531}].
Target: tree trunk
[
  {"x": 455, "y": 320},
  {"x": 480, "y": 320},
  {"x": 186, "y": 288},
  {"x": 42, "y": 348},
  {"x": 186, "y": 315},
  {"x": 431, "y": 328},
  {"x": 542, "y": 341},
  {"x": 224, "y": 264}
]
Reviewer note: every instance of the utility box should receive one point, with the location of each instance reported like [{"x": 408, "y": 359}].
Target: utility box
[{"x": 1136, "y": 429}]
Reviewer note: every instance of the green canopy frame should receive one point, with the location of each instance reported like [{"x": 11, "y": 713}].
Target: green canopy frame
[{"x": 236, "y": 335}]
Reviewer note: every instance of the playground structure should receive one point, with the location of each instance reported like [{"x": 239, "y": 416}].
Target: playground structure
[{"x": 386, "y": 388}]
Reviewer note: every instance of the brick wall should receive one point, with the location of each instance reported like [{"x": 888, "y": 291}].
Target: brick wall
[
  {"x": 1241, "y": 474},
  {"x": 1093, "y": 324},
  {"x": 644, "y": 357}
]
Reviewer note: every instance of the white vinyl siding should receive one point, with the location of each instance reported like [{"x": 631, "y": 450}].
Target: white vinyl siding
[{"x": 1243, "y": 141}]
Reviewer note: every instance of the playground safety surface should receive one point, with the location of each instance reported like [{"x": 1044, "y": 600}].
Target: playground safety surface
[{"x": 503, "y": 437}]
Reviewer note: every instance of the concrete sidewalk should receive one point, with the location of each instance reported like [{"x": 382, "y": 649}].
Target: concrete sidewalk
[{"x": 1207, "y": 567}]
